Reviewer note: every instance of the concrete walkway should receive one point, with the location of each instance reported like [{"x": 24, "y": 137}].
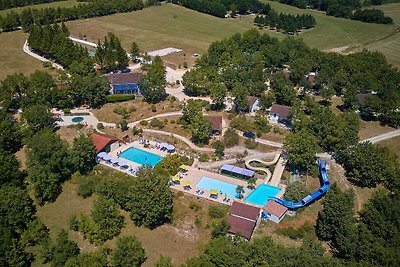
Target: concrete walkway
[{"x": 382, "y": 137}]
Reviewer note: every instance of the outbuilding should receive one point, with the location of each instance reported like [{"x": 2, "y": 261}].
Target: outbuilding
[
  {"x": 243, "y": 219},
  {"x": 279, "y": 113},
  {"x": 104, "y": 143},
  {"x": 274, "y": 211},
  {"x": 216, "y": 123}
]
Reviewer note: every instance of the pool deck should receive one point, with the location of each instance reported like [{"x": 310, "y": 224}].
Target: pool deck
[{"x": 194, "y": 175}]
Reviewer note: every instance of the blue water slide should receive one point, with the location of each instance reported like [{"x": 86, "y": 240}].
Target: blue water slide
[{"x": 311, "y": 197}]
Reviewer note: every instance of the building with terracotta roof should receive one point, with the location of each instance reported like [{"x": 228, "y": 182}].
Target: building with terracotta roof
[
  {"x": 103, "y": 142},
  {"x": 243, "y": 219},
  {"x": 275, "y": 211},
  {"x": 216, "y": 123},
  {"x": 279, "y": 113},
  {"x": 125, "y": 83}
]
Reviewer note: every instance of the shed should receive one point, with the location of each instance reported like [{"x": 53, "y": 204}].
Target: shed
[
  {"x": 253, "y": 103},
  {"x": 216, "y": 123},
  {"x": 275, "y": 211},
  {"x": 104, "y": 143},
  {"x": 243, "y": 219}
]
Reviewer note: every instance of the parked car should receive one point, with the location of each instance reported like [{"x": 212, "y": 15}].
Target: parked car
[{"x": 249, "y": 135}]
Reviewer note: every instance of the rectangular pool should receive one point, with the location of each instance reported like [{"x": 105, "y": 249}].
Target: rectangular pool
[
  {"x": 224, "y": 187},
  {"x": 260, "y": 195},
  {"x": 141, "y": 157}
]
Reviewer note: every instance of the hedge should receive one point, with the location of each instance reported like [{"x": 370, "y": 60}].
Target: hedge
[{"x": 119, "y": 98}]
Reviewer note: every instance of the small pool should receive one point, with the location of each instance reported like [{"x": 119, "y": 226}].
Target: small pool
[
  {"x": 224, "y": 187},
  {"x": 77, "y": 119},
  {"x": 141, "y": 157},
  {"x": 261, "y": 194}
]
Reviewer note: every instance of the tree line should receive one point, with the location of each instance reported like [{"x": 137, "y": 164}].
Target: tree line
[
  {"x": 343, "y": 9},
  {"x": 96, "y": 8},
  {"x": 110, "y": 55},
  {"x": 286, "y": 22},
  {"x": 5, "y": 4}
]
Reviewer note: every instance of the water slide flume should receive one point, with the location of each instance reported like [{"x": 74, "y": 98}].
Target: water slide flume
[
  {"x": 311, "y": 197},
  {"x": 266, "y": 163}
]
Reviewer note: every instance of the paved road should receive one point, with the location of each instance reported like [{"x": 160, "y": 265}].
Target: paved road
[
  {"x": 382, "y": 137},
  {"x": 27, "y": 50}
]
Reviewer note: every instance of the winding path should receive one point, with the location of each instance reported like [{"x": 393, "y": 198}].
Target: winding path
[{"x": 382, "y": 137}]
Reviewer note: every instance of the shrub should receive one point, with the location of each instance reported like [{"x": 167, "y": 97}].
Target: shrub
[
  {"x": 217, "y": 211},
  {"x": 100, "y": 126},
  {"x": 203, "y": 158},
  {"x": 194, "y": 206},
  {"x": 137, "y": 131},
  {"x": 132, "y": 109},
  {"x": 250, "y": 144},
  {"x": 119, "y": 98},
  {"x": 185, "y": 65},
  {"x": 172, "y": 121},
  {"x": 156, "y": 123},
  {"x": 231, "y": 138},
  {"x": 219, "y": 228},
  {"x": 143, "y": 122},
  {"x": 86, "y": 186},
  {"x": 123, "y": 125},
  {"x": 122, "y": 111},
  {"x": 73, "y": 223},
  {"x": 306, "y": 230},
  {"x": 153, "y": 108},
  {"x": 197, "y": 221},
  {"x": 296, "y": 191},
  {"x": 66, "y": 111}
]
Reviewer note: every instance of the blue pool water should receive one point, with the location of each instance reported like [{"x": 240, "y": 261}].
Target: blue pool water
[
  {"x": 261, "y": 194},
  {"x": 226, "y": 188},
  {"x": 77, "y": 119},
  {"x": 141, "y": 157}
]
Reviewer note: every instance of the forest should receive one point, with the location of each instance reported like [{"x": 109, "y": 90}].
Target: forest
[
  {"x": 343, "y": 9},
  {"x": 241, "y": 64},
  {"x": 96, "y": 8},
  {"x": 5, "y": 4}
]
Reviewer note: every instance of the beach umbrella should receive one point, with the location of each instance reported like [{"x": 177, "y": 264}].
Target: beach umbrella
[
  {"x": 176, "y": 179},
  {"x": 186, "y": 183},
  {"x": 213, "y": 192},
  {"x": 183, "y": 167}
]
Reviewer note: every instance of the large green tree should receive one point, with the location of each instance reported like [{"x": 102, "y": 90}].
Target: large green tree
[
  {"x": 128, "y": 253},
  {"x": 154, "y": 82},
  {"x": 150, "y": 201},
  {"x": 301, "y": 147},
  {"x": 58, "y": 253},
  {"x": 83, "y": 154},
  {"x": 9, "y": 169},
  {"x": 295, "y": 191},
  {"x": 36, "y": 118}
]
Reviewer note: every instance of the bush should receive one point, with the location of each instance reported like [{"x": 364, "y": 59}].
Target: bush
[
  {"x": 122, "y": 111},
  {"x": 123, "y": 125},
  {"x": 243, "y": 124},
  {"x": 306, "y": 230},
  {"x": 296, "y": 191},
  {"x": 100, "y": 126},
  {"x": 156, "y": 123},
  {"x": 217, "y": 211},
  {"x": 143, "y": 122},
  {"x": 73, "y": 223},
  {"x": 194, "y": 206},
  {"x": 219, "y": 228},
  {"x": 203, "y": 158},
  {"x": 119, "y": 98},
  {"x": 153, "y": 108},
  {"x": 231, "y": 138},
  {"x": 86, "y": 186},
  {"x": 66, "y": 111},
  {"x": 137, "y": 131},
  {"x": 132, "y": 109}
]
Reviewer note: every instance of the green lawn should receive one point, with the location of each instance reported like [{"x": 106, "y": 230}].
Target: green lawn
[{"x": 66, "y": 3}]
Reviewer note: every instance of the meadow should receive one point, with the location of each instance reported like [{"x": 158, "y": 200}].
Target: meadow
[{"x": 66, "y": 3}]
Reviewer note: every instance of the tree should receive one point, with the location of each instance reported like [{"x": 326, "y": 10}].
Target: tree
[
  {"x": 201, "y": 130},
  {"x": 83, "y": 154},
  {"x": 16, "y": 208},
  {"x": 129, "y": 252},
  {"x": 150, "y": 201},
  {"x": 36, "y": 118},
  {"x": 36, "y": 233},
  {"x": 59, "y": 252},
  {"x": 231, "y": 138},
  {"x": 240, "y": 191},
  {"x": 135, "y": 51},
  {"x": 153, "y": 83},
  {"x": 301, "y": 147},
  {"x": 335, "y": 222},
  {"x": 296, "y": 191},
  {"x": 9, "y": 169},
  {"x": 10, "y": 135},
  {"x": 218, "y": 94},
  {"x": 46, "y": 184},
  {"x": 368, "y": 165},
  {"x": 266, "y": 101},
  {"x": 251, "y": 182},
  {"x": 93, "y": 259},
  {"x": 12, "y": 88},
  {"x": 219, "y": 149}
]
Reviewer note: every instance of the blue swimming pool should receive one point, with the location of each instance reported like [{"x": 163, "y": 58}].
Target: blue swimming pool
[
  {"x": 260, "y": 195},
  {"x": 224, "y": 187},
  {"x": 141, "y": 157}
]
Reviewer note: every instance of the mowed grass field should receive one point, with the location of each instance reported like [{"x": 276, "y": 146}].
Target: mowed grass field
[
  {"x": 12, "y": 58},
  {"x": 67, "y": 3},
  {"x": 390, "y": 46}
]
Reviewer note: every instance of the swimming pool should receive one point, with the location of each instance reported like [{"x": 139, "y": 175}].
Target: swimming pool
[
  {"x": 224, "y": 187},
  {"x": 77, "y": 119},
  {"x": 261, "y": 194},
  {"x": 141, "y": 157}
]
